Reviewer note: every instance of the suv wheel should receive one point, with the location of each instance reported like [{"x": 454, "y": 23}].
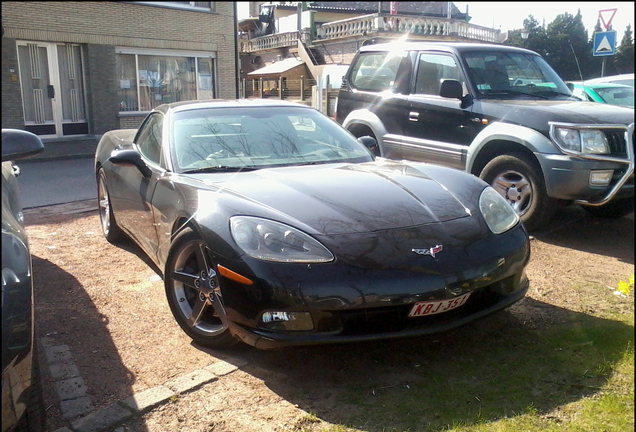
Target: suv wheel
[{"x": 518, "y": 179}]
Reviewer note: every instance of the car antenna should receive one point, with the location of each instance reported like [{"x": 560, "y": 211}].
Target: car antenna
[{"x": 577, "y": 63}]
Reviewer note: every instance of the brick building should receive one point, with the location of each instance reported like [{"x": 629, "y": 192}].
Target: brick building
[{"x": 74, "y": 70}]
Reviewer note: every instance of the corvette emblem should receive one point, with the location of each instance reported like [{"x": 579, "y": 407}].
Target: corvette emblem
[{"x": 431, "y": 251}]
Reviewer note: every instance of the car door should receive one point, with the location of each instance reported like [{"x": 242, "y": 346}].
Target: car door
[
  {"x": 373, "y": 78},
  {"x": 134, "y": 191},
  {"x": 436, "y": 129}
]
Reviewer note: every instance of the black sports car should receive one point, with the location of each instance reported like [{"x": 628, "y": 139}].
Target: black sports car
[{"x": 274, "y": 226}]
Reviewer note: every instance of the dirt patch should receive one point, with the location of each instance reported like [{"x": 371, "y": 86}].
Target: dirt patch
[{"x": 108, "y": 306}]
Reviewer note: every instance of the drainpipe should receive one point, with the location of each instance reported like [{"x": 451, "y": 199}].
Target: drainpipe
[{"x": 237, "y": 60}]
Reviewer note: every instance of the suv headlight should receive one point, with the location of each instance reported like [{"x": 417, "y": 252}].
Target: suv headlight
[
  {"x": 273, "y": 241},
  {"x": 581, "y": 140},
  {"x": 498, "y": 214}
]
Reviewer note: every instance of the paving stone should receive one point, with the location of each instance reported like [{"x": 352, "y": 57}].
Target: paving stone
[
  {"x": 148, "y": 399},
  {"x": 57, "y": 354},
  {"x": 62, "y": 371},
  {"x": 190, "y": 381},
  {"x": 47, "y": 341},
  {"x": 72, "y": 388},
  {"x": 102, "y": 420},
  {"x": 76, "y": 407},
  {"x": 221, "y": 368}
]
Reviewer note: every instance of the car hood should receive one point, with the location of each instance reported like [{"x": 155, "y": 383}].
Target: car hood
[
  {"x": 537, "y": 114},
  {"x": 349, "y": 198}
]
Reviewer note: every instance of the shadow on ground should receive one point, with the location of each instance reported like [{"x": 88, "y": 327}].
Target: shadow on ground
[
  {"x": 572, "y": 227},
  {"x": 62, "y": 312},
  {"x": 499, "y": 367}
]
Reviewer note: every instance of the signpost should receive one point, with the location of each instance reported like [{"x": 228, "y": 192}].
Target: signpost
[{"x": 605, "y": 42}]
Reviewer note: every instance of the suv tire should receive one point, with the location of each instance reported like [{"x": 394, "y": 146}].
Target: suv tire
[{"x": 515, "y": 177}]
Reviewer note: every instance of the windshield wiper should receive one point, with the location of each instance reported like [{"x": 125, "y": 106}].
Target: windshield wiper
[
  {"x": 512, "y": 92},
  {"x": 219, "y": 168}
]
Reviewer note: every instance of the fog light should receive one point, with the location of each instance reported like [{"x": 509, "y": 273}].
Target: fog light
[
  {"x": 290, "y": 321},
  {"x": 601, "y": 178}
]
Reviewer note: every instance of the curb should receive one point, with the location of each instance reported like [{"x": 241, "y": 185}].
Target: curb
[{"x": 75, "y": 401}]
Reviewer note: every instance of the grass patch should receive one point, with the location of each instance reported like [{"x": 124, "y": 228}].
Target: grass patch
[{"x": 571, "y": 376}]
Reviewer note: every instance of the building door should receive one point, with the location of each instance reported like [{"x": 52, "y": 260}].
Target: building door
[{"x": 52, "y": 80}]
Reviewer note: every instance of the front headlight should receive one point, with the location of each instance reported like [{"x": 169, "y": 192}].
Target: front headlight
[
  {"x": 581, "y": 140},
  {"x": 273, "y": 241},
  {"x": 499, "y": 215}
]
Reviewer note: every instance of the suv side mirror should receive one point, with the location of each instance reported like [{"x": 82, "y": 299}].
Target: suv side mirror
[
  {"x": 369, "y": 142},
  {"x": 452, "y": 89}
]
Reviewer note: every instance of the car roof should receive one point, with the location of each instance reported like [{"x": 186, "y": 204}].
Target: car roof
[
  {"x": 600, "y": 84},
  {"x": 227, "y": 103},
  {"x": 456, "y": 47}
]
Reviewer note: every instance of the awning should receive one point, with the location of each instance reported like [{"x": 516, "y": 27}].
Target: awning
[{"x": 279, "y": 67}]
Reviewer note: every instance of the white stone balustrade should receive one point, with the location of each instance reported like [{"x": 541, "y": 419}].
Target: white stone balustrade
[{"x": 375, "y": 24}]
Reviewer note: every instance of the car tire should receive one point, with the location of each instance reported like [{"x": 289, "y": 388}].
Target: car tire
[
  {"x": 111, "y": 231},
  {"x": 518, "y": 179},
  {"x": 612, "y": 210},
  {"x": 193, "y": 292},
  {"x": 33, "y": 419}
]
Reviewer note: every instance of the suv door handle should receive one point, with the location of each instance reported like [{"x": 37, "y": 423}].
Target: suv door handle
[{"x": 414, "y": 116}]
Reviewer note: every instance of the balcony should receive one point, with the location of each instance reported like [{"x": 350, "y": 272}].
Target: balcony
[{"x": 379, "y": 25}]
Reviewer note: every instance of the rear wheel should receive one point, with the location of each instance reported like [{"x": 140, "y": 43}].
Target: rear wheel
[
  {"x": 612, "y": 210},
  {"x": 194, "y": 294},
  {"x": 109, "y": 227},
  {"x": 519, "y": 180}
]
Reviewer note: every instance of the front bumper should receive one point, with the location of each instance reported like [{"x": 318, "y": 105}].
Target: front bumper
[
  {"x": 567, "y": 176},
  {"x": 387, "y": 323}
]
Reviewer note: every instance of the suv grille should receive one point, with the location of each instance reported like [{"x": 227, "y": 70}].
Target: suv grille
[{"x": 616, "y": 141}]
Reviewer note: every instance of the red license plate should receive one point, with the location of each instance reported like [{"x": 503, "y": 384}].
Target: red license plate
[{"x": 437, "y": 306}]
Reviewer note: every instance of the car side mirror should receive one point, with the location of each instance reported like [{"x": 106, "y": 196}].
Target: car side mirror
[
  {"x": 570, "y": 86},
  {"x": 453, "y": 89},
  {"x": 19, "y": 144},
  {"x": 130, "y": 157}
]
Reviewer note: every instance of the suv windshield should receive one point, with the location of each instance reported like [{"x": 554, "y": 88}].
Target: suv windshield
[{"x": 500, "y": 74}]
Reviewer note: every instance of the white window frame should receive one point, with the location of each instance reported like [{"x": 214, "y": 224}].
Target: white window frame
[{"x": 167, "y": 53}]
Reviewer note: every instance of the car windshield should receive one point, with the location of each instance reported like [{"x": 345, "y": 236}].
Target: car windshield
[
  {"x": 505, "y": 75},
  {"x": 617, "y": 95},
  {"x": 237, "y": 139}
]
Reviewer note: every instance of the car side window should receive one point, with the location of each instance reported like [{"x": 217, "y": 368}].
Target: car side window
[
  {"x": 375, "y": 71},
  {"x": 149, "y": 138},
  {"x": 432, "y": 70}
]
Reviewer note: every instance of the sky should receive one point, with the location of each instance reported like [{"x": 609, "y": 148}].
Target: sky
[{"x": 509, "y": 15}]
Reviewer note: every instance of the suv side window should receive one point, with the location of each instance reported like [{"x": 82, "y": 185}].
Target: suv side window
[
  {"x": 432, "y": 70},
  {"x": 375, "y": 71},
  {"x": 149, "y": 138}
]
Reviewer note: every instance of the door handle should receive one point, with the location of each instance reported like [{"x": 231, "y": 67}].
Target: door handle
[
  {"x": 50, "y": 90},
  {"x": 414, "y": 116}
]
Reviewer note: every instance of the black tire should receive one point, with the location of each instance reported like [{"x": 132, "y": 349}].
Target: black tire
[
  {"x": 194, "y": 294},
  {"x": 33, "y": 419},
  {"x": 612, "y": 210},
  {"x": 107, "y": 220},
  {"x": 520, "y": 181}
]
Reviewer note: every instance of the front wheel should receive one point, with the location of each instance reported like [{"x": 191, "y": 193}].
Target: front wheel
[
  {"x": 613, "y": 210},
  {"x": 109, "y": 227},
  {"x": 194, "y": 294},
  {"x": 520, "y": 181}
]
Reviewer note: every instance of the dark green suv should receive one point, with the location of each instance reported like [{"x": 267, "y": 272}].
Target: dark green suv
[{"x": 498, "y": 112}]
